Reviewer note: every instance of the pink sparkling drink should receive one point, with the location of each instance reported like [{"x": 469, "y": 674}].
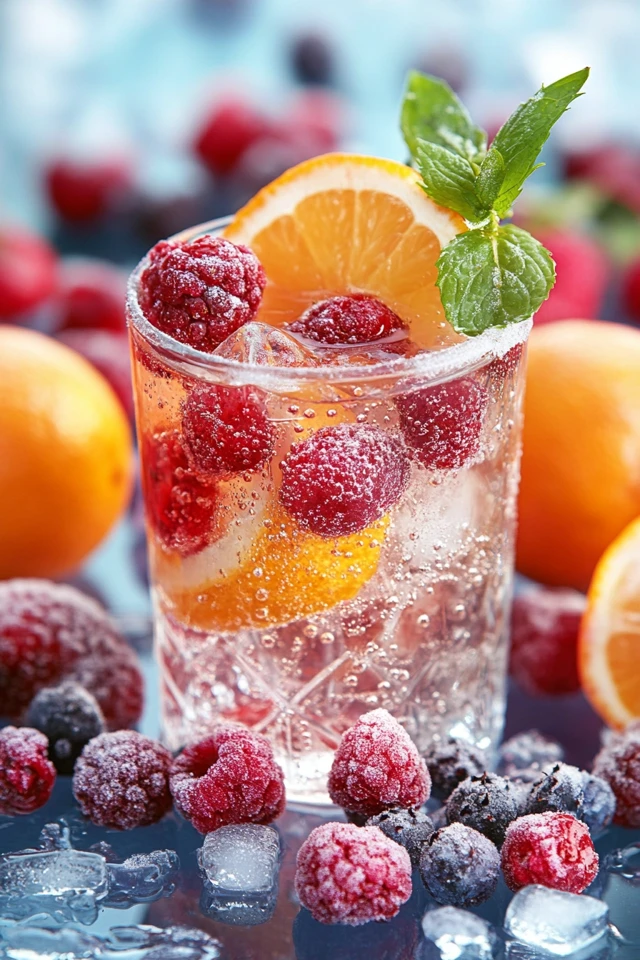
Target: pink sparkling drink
[{"x": 294, "y": 611}]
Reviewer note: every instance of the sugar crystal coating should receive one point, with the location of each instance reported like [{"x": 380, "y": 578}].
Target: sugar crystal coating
[
  {"x": 27, "y": 775},
  {"x": 459, "y": 866},
  {"x": 200, "y": 291},
  {"x": 122, "y": 780},
  {"x": 342, "y": 478},
  {"x": 450, "y": 763},
  {"x": 51, "y": 632},
  {"x": 229, "y": 777},
  {"x": 560, "y": 788},
  {"x": 348, "y": 874},
  {"x": 487, "y": 803},
  {"x": 619, "y": 764},
  {"x": 410, "y": 828},
  {"x": 69, "y": 717},
  {"x": 552, "y": 849},
  {"x": 442, "y": 424},
  {"x": 523, "y": 756},
  {"x": 358, "y": 318}
]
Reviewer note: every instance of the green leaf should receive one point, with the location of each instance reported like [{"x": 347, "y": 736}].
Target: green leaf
[
  {"x": 450, "y": 180},
  {"x": 490, "y": 178},
  {"x": 431, "y": 111},
  {"x": 522, "y": 137},
  {"x": 491, "y": 279}
]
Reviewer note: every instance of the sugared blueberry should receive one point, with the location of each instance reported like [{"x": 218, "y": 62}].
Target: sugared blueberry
[
  {"x": 523, "y": 756},
  {"x": 69, "y": 716},
  {"x": 27, "y": 776},
  {"x": 459, "y": 866},
  {"x": 443, "y": 424},
  {"x": 358, "y": 318},
  {"x": 551, "y": 849},
  {"x": 544, "y": 635},
  {"x": 599, "y": 804},
  {"x": 559, "y": 789},
  {"x": 487, "y": 803},
  {"x": 450, "y": 763},
  {"x": 408, "y": 827}
]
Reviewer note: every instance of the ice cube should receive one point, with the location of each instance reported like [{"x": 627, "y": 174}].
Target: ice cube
[
  {"x": 55, "y": 836},
  {"x": 142, "y": 942},
  {"x": 618, "y": 884},
  {"x": 142, "y": 878},
  {"x": 556, "y": 922},
  {"x": 66, "y": 884},
  {"x": 265, "y": 346},
  {"x": 458, "y": 934},
  {"x": 240, "y": 866}
]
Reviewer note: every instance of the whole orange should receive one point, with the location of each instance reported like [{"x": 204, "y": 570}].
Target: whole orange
[
  {"x": 581, "y": 457},
  {"x": 65, "y": 456}
]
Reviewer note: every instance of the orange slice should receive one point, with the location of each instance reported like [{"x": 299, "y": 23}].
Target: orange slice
[
  {"x": 609, "y": 649},
  {"x": 343, "y": 223}
]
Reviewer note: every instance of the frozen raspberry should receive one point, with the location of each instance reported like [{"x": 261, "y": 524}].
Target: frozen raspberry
[
  {"x": 523, "y": 756},
  {"x": 355, "y": 319},
  {"x": 341, "y": 479},
  {"x": 410, "y": 828},
  {"x": 312, "y": 59},
  {"x": 90, "y": 296},
  {"x": 109, "y": 353},
  {"x": 27, "y": 272},
  {"x": 181, "y": 506},
  {"x": 443, "y": 424},
  {"x": 201, "y": 290},
  {"x": 229, "y": 777},
  {"x": 51, "y": 632},
  {"x": 450, "y": 763},
  {"x": 459, "y": 866},
  {"x": 599, "y": 804},
  {"x": 226, "y": 429},
  {"x": 227, "y": 132},
  {"x": 69, "y": 717},
  {"x": 27, "y": 775},
  {"x": 619, "y": 764},
  {"x": 377, "y": 766},
  {"x": 559, "y": 789},
  {"x": 552, "y": 849},
  {"x": 583, "y": 273},
  {"x": 121, "y": 780},
  {"x": 82, "y": 191},
  {"x": 487, "y": 803},
  {"x": 544, "y": 635},
  {"x": 348, "y": 874}
]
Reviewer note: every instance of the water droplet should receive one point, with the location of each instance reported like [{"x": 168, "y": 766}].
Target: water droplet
[
  {"x": 357, "y": 391},
  {"x": 268, "y": 641},
  {"x": 257, "y": 572},
  {"x": 331, "y": 412},
  {"x": 327, "y": 637},
  {"x": 423, "y": 620},
  {"x": 262, "y": 594},
  {"x": 361, "y": 418},
  {"x": 350, "y": 680},
  {"x": 310, "y": 631},
  {"x": 309, "y": 413}
]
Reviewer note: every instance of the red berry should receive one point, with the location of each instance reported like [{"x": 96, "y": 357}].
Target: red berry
[
  {"x": 85, "y": 190},
  {"x": 619, "y": 764},
  {"x": 27, "y": 775},
  {"x": 121, "y": 780},
  {"x": 552, "y": 849},
  {"x": 109, "y": 353},
  {"x": 354, "y": 319},
  {"x": 51, "y": 632},
  {"x": 180, "y": 505},
  {"x": 318, "y": 116},
  {"x": 545, "y": 624},
  {"x": 378, "y": 766},
  {"x": 582, "y": 277},
  {"x": 27, "y": 272},
  {"x": 226, "y": 429},
  {"x": 226, "y": 134},
  {"x": 341, "y": 479},
  {"x": 229, "y": 777},
  {"x": 90, "y": 295},
  {"x": 348, "y": 874},
  {"x": 631, "y": 291},
  {"x": 443, "y": 424},
  {"x": 200, "y": 291},
  {"x": 505, "y": 366}
]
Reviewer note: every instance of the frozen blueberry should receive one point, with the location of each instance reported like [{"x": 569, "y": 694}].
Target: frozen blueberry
[
  {"x": 558, "y": 790},
  {"x": 487, "y": 803},
  {"x": 69, "y": 716},
  {"x": 524, "y": 756},
  {"x": 459, "y": 866},
  {"x": 599, "y": 804},
  {"x": 410, "y": 828},
  {"x": 450, "y": 763}
]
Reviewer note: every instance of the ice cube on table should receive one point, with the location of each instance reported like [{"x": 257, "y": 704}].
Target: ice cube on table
[
  {"x": 142, "y": 878},
  {"x": 458, "y": 934},
  {"x": 556, "y": 922},
  {"x": 66, "y": 884},
  {"x": 240, "y": 865}
]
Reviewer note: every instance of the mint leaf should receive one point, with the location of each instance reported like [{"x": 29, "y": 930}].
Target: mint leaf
[
  {"x": 450, "y": 180},
  {"x": 522, "y": 137},
  {"x": 492, "y": 277},
  {"x": 431, "y": 111},
  {"x": 490, "y": 178}
]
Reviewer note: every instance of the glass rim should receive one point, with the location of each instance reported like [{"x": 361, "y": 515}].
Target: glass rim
[{"x": 432, "y": 365}]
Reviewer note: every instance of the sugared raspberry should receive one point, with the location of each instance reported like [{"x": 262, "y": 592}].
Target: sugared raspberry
[
  {"x": 459, "y": 866},
  {"x": 377, "y": 766},
  {"x": 51, "y": 632},
  {"x": 27, "y": 775},
  {"x": 109, "y": 353},
  {"x": 180, "y": 505},
  {"x": 84, "y": 190},
  {"x": 27, "y": 272},
  {"x": 201, "y": 290},
  {"x": 69, "y": 717},
  {"x": 522, "y": 757},
  {"x": 226, "y": 429},
  {"x": 121, "y": 780},
  {"x": 90, "y": 296},
  {"x": 359, "y": 318},
  {"x": 341, "y": 479},
  {"x": 544, "y": 635},
  {"x": 227, "y": 132},
  {"x": 450, "y": 763},
  {"x": 559, "y": 789},
  {"x": 443, "y": 424},
  {"x": 487, "y": 803},
  {"x": 410, "y": 828},
  {"x": 348, "y": 874},
  {"x": 619, "y": 764},
  {"x": 552, "y": 849},
  {"x": 229, "y": 777}
]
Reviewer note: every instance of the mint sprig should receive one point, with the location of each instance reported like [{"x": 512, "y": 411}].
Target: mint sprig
[{"x": 494, "y": 274}]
